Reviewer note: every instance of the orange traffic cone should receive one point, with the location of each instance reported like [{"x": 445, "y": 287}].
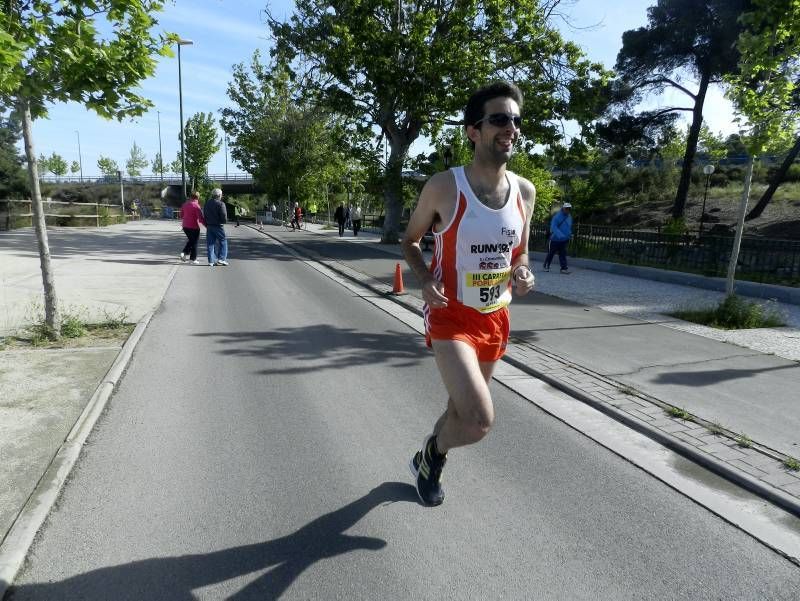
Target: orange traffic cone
[{"x": 398, "y": 281}]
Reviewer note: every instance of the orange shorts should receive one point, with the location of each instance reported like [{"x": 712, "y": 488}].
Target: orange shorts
[{"x": 487, "y": 333}]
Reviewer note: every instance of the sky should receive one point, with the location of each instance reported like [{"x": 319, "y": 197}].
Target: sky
[{"x": 227, "y": 32}]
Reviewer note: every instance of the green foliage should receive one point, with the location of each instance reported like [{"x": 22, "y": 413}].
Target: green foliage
[
  {"x": 547, "y": 192},
  {"x": 201, "y": 143},
  {"x": 13, "y": 183},
  {"x": 57, "y": 51},
  {"x": 403, "y": 67},
  {"x": 55, "y": 164},
  {"x": 72, "y": 326},
  {"x": 680, "y": 38},
  {"x": 765, "y": 87},
  {"x": 790, "y": 463},
  {"x": 74, "y": 167},
  {"x": 158, "y": 165},
  {"x": 136, "y": 161},
  {"x": 285, "y": 141},
  {"x": 734, "y": 313},
  {"x": 675, "y": 226},
  {"x": 107, "y": 166}
]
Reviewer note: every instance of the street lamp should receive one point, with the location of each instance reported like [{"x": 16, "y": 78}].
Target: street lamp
[
  {"x": 160, "y": 152},
  {"x": 182, "y": 42},
  {"x": 80, "y": 158},
  {"x": 225, "y": 137},
  {"x": 708, "y": 170}
]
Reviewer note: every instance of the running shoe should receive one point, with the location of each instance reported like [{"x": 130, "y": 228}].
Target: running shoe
[
  {"x": 428, "y": 472},
  {"x": 183, "y": 257},
  {"x": 222, "y": 262}
]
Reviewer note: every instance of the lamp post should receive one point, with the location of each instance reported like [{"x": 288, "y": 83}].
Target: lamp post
[
  {"x": 708, "y": 170},
  {"x": 182, "y": 42},
  {"x": 80, "y": 158},
  {"x": 160, "y": 152},
  {"x": 225, "y": 138},
  {"x": 121, "y": 192}
]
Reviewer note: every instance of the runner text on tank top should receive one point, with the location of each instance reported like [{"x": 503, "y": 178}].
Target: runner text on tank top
[{"x": 473, "y": 253}]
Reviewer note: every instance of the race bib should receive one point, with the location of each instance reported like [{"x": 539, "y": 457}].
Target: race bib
[{"x": 486, "y": 291}]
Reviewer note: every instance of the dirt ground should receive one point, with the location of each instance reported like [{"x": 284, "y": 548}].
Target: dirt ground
[{"x": 780, "y": 219}]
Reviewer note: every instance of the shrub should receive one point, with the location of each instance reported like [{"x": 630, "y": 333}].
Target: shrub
[{"x": 734, "y": 313}]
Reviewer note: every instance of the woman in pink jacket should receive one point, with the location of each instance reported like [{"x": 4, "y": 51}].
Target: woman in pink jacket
[{"x": 192, "y": 217}]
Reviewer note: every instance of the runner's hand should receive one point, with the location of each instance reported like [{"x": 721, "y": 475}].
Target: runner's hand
[
  {"x": 524, "y": 279},
  {"x": 433, "y": 294}
]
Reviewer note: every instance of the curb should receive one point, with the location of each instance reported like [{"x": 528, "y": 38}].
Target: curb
[
  {"x": 739, "y": 478},
  {"x": 14, "y": 548}
]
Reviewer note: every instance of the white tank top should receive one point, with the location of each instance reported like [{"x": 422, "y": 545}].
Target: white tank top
[{"x": 475, "y": 251}]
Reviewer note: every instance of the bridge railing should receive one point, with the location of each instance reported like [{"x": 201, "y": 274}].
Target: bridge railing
[{"x": 171, "y": 178}]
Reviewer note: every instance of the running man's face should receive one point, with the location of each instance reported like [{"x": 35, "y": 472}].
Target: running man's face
[{"x": 494, "y": 143}]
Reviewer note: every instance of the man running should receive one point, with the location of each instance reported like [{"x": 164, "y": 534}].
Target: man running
[{"x": 481, "y": 218}]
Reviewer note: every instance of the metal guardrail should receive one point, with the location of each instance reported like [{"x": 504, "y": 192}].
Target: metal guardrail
[
  {"x": 171, "y": 179},
  {"x": 760, "y": 259}
]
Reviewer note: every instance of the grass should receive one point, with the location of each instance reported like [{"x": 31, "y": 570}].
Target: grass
[
  {"x": 744, "y": 441},
  {"x": 734, "y": 313},
  {"x": 716, "y": 429},
  {"x": 75, "y": 331},
  {"x": 679, "y": 413},
  {"x": 624, "y": 389},
  {"x": 790, "y": 463}
]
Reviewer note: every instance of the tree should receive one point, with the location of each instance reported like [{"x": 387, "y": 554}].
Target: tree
[
  {"x": 54, "y": 51},
  {"x": 57, "y": 165},
  {"x": 158, "y": 165},
  {"x": 286, "y": 142},
  {"x": 12, "y": 175},
  {"x": 201, "y": 143},
  {"x": 682, "y": 37},
  {"x": 107, "y": 166},
  {"x": 75, "y": 167},
  {"x": 406, "y": 67},
  {"x": 767, "y": 87},
  {"x": 136, "y": 161},
  {"x": 175, "y": 166}
]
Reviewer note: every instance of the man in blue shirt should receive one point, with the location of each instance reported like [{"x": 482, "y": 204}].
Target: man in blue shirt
[{"x": 560, "y": 233}]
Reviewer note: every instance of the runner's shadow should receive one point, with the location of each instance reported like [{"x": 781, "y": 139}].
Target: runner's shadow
[
  {"x": 175, "y": 578},
  {"x": 712, "y": 377}
]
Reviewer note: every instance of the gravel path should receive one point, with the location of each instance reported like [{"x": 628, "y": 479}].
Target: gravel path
[{"x": 652, "y": 301}]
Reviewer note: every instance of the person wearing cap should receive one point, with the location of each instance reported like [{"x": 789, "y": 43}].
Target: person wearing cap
[
  {"x": 560, "y": 233},
  {"x": 216, "y": 217}
]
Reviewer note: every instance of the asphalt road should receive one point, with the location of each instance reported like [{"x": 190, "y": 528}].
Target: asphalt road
[{"x": 257, "y": 449}]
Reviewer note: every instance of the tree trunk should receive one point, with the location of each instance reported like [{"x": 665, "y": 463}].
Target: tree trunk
[
  {"x": 737, "y": 241},
  {"x": 51, "y": 312},
  {"x": 691, "y": 149},
  {"x": 776, "y": 181},
  {"x": 393, "y": 191}
]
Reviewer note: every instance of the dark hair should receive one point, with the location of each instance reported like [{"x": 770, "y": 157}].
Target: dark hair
[
  {"x": 497, "y": 89},
  {"x": 474, "y": 111}
]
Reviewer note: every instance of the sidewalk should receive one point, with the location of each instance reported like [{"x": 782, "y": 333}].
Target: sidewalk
[{"x": 622, "y": 356}]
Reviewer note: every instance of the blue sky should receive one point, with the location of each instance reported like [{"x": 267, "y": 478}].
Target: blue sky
[{"x": 226, "y": 32}]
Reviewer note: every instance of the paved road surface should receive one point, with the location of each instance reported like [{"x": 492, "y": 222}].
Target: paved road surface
[{"x": 257, "y": 449}]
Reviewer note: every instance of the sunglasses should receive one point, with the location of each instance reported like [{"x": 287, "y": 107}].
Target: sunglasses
[{"x": 502, "y": 120}]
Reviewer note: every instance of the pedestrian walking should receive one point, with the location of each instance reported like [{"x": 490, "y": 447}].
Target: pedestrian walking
[
  {"x": 338, "y": 217},
  {"x": 560, "y": 233},
  {"x": 481, "y": 218},
  {"x": 356, "y": 219},
  {"x": 191, "y": 218},
  {"x": 216, "y": 217}
]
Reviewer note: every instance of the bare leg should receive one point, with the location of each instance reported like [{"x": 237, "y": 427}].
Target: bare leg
[{"x": 470, "y": 412}]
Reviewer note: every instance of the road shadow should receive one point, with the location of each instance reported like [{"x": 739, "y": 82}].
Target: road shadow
[
  {"x": 699, "y": 379},
  {"x": 175, "y": 578},
  {"x": 322, "y": 347}
]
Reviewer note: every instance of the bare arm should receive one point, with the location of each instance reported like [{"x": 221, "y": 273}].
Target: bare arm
[
  {"x": 520, "y": 270},
  {"x": 428, "y": 211}
]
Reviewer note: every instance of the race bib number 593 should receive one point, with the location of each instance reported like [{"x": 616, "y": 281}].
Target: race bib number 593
[{"x": 484, "y": 290}]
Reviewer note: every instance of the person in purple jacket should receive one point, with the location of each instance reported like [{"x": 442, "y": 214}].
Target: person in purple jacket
[{"x": 191, "y": 217}]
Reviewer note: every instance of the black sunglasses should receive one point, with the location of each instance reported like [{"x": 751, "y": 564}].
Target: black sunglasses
[{"x": 502, "y": 120}]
